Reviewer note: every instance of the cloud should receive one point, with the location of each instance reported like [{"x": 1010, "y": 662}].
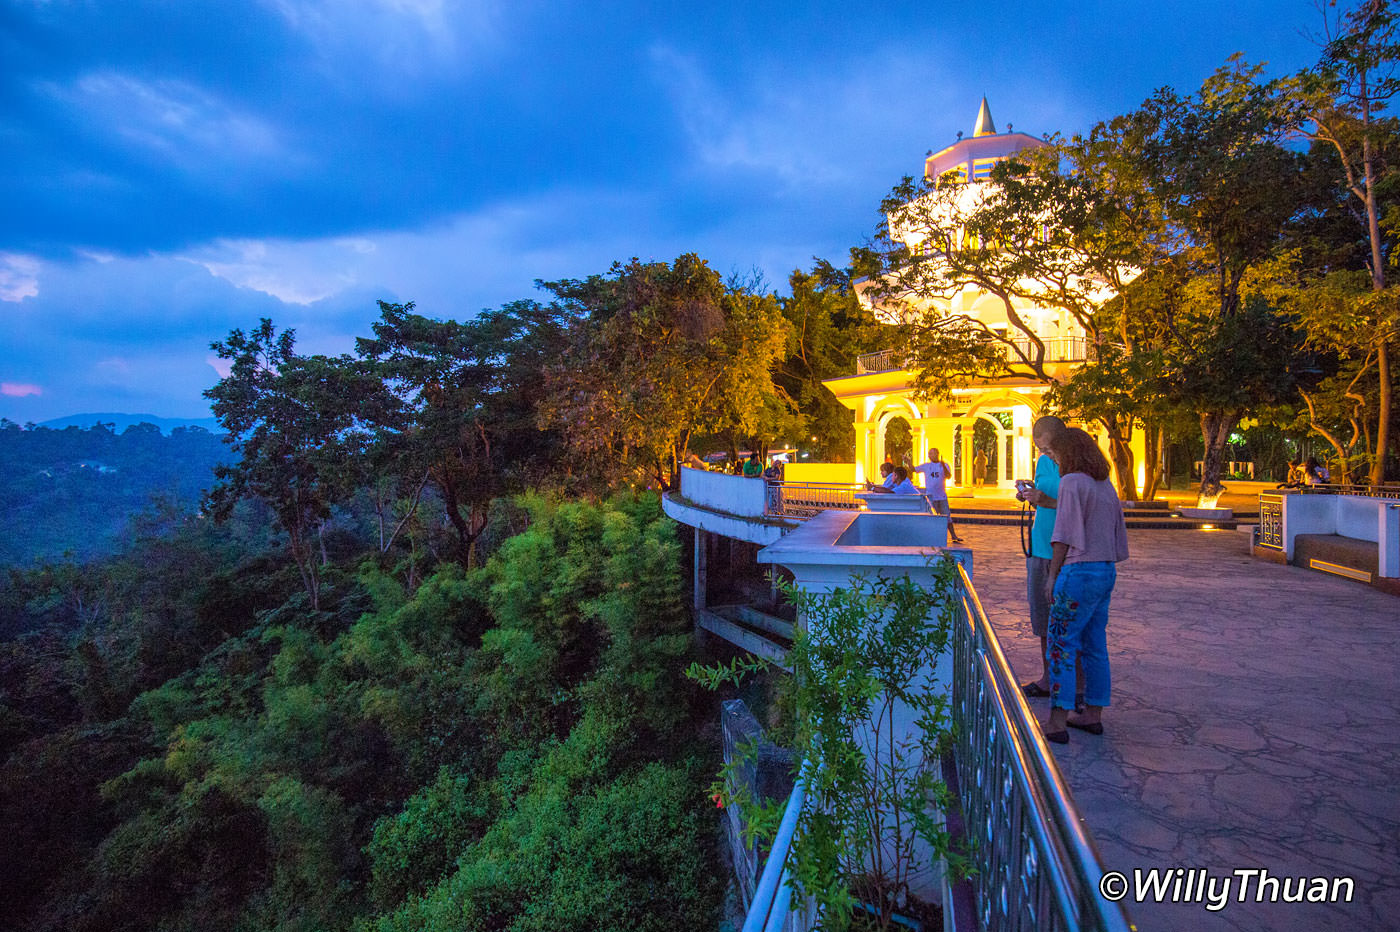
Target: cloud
[
  {"x": 290, "y": 271},
  {"x": 808, "y": 125},
  {"x": 174, "y": 120},
  {"x": 19, "y": 277},
  {"x": 413, "y": 35},
  {"x": 19, "y": 389}
]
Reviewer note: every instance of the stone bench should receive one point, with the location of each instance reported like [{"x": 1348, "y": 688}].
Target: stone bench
[{"x": 1355, "y": 536}]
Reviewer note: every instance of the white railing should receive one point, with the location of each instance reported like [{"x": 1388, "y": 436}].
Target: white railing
[
  {"x": 883, "y": 361},
  {"x": 1057, "y": 349},
  {"x": 740, "y": 496},
  {"x": 807, "y": 499}
]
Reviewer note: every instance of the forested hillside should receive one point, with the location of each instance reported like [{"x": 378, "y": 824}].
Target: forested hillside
[
  {"x": 511, "y": 746},
  {"x": 75, "y": 491},
  {"x": 415, "y": 662}
]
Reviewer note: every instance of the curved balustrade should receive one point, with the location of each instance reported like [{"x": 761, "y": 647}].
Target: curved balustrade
[{"x": 1035, "y": 867}]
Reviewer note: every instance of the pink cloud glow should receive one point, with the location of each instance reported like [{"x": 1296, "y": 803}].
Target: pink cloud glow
[{"x": 19, "y": 389}]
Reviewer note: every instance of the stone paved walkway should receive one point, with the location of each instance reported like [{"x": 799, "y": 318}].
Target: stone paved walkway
[{"x": 1255, "y": 724}]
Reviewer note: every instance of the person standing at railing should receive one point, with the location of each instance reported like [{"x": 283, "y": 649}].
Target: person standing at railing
[
  {"x": 753, "y": 466},
  {"x": 1089, "y": 540},
  {"x": 936, "y": 475},
  {"x": 1042, "y": 495}
]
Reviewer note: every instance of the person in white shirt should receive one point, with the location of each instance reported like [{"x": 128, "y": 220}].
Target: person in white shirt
[{"x": 936, "y": 476}]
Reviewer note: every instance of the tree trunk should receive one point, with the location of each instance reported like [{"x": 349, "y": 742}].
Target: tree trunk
[
  {"x": 1154, "y": 440},
  {"x": 1215, "y": 431},
  {"x": 1122, "y": 455},
  {"x": 465, "y": 537},
  {"x": 1383, "y": 428}
]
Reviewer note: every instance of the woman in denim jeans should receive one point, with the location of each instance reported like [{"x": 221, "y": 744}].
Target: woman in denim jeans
[{"x": 1090, "y": 538}]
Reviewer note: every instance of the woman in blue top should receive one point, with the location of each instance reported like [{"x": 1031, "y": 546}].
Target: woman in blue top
[
  {"x": 1042, "y": 495},
  {"x": 902, "y": 485}
]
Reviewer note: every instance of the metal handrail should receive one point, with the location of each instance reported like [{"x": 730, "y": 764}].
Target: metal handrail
[
  {"x": 882, "y": 361},
  {"x": 1036, "y": 866},
  {"x": 773, "y": 896},
  {"x": 805, "y": 499},
  {"x": 1057, "y": 349}
]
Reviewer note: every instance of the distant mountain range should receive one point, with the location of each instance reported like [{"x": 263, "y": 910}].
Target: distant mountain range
[
  {"x": 123, "y": 421},
  {"x": 72, "y": 491}
]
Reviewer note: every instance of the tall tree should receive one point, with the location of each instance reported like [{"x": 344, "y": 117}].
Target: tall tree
[
  {"x": 292, "y": 420},
  {"x": 1229, "y": 187},
  {"x": 1347, "y": 93},
  {"x": 466, "y": 393},
  {"x": 660, "y": 355},
  {"x": 829, "y": 329}
]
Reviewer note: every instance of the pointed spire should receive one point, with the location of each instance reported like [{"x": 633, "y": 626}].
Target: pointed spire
[{"x": 985, "y": 126}]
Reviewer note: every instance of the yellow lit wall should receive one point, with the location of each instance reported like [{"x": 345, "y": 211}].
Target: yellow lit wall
[{"x": 819, "y": 472}]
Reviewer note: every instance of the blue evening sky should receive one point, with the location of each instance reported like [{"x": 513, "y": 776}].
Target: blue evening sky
[{"x": 171, "y": 169}]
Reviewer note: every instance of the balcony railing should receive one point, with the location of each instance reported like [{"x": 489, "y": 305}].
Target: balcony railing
[
  {"x": 806, "y": 499},
  {"x": 1057, "y": 349},
  {"x": 883, "y": 361},
  {"x": 1035, "y": 865}
]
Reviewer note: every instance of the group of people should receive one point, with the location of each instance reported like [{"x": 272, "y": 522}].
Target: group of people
[
  {"x": 895, "y": 480},
  {"x": 1302, "y": 473},
  {"x": 1078, "y": 537}
]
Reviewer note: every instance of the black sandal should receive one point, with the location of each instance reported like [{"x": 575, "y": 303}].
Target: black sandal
[{"x": 1034, "y": 690}]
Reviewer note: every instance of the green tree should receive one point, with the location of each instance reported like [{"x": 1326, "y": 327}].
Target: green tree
[
  {"x": 1346, "y": 95},
  {"x": 660, "y": 355},
  {"x": 1229, "y": 188},
  {"x": 465, "y": 418},
  {"x": 829, "y": 328},
  {"x": 292, "y": 420}
]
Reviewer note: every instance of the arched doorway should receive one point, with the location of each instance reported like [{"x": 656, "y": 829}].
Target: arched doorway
[
  {"x": 999, "y": 431},
  {"x": 899, "y": 442}
]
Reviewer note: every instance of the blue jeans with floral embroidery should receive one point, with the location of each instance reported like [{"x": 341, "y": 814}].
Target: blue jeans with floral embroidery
[{"x": 1079, "y": 629}]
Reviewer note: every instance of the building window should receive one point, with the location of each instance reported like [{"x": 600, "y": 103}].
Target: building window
[
  {"x": 954, "y": 175},
  {"x": 982, "y": 168}
]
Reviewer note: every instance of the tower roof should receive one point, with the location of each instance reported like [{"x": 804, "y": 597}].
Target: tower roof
[{"x": 984, "y": 125}]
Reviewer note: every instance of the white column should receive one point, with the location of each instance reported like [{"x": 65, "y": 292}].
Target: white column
[
  {"x": 701, "y": 565},
  {"x": 1388, "y": 540}
]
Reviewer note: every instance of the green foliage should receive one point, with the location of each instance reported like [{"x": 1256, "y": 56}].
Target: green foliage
[
  {"x": 76, "y": 492},
  {"x": 412, "y": 850},
  {"x": 633, "y": 853},
  {"x": 659, "y": 356},
  {"x": 828, "y": 329},
  {"x": 380, "y": 756},
  {"x": 870, "y": 716}
]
